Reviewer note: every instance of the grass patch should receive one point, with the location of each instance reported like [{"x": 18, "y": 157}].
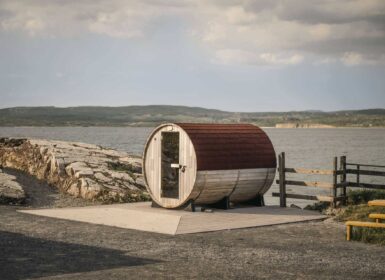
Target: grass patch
[
  {"x": 118, "y": 166},
  {"x": 369, "y": 235},
  {"x": 359, "y": 213},
  {"x": 357, "y": 209},
  {"x": 129, "y": 196}
]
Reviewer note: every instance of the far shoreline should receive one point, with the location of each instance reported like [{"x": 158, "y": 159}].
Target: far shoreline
[{"x": 152, "y": 126}]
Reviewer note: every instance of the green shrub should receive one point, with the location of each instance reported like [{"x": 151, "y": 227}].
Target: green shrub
[
  {"x": 355, "y": 197},
  {"x": 318, "y": 206},
  {"x": 120, "y": 167}
]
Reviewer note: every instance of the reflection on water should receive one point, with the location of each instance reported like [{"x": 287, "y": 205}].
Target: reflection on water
[{"x": 308, "y": 148}]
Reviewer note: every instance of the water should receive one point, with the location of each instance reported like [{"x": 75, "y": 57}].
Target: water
[
  {"x": 130, "y": 139},
  {"x": 307, "y": 148}
]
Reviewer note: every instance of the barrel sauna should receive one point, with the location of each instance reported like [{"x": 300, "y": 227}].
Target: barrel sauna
[{"x": 205, "y": 163}]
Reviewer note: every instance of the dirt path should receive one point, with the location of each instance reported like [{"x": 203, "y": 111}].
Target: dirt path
[{"x": 46, "y": 248}]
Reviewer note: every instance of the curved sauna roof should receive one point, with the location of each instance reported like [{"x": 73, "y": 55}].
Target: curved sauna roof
[{"x": 230, "y": 146}]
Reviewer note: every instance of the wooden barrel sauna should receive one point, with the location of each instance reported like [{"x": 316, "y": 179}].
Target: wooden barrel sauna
[{"x": 205, "y": 163}]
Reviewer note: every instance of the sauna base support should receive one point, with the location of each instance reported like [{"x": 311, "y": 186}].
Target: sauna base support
[
  {"x": 256, "y": 201},
  {"x": 224, "y": 203}
]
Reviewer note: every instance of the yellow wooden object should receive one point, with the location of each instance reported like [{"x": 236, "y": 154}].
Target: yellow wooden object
[
  {"x": 350, "y": 224},
  {"x": 376, "y": 203},
  {"x": 348, "y": 232},
  {"x": 377, "y": 216},
  {"x": 365, "y": 224}
]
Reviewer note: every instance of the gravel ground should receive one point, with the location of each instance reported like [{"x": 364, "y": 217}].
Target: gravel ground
[{"x": 46, "y": 248}]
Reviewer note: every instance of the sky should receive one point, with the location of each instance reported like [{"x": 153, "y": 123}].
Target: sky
[{"x": 268, "y": 55}]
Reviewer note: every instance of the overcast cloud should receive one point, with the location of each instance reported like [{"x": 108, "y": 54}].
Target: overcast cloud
[
  {"x": 228, "y": 54},
  {"x": 274, "y": 32}
]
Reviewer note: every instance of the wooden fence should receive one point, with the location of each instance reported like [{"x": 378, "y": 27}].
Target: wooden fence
[{"x": 339, "y": 176}]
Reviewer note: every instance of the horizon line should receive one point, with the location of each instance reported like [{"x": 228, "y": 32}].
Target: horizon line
[{"x": 198, "y": 107}]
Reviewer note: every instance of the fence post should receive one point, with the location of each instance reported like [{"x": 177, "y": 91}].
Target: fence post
[
  {"x": 335, "y": 163},
  {"x": 358, "y": 175},
  {"x": 343, "y": 177},
  {"x": 282, "y": 183}
]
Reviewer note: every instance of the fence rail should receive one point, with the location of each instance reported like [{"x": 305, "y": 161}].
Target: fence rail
[
  {"x": 366, "y": 165},
  {"x": 340, "y": 172},
  {"x": 365, "y": 172},
  {"x": 366, "y": 186},
  {"x": 310, "y": 171},
  {"x": 315, "y": 184}
]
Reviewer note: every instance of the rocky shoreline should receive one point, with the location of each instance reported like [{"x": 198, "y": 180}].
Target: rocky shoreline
[{"x": 82, "y": 170}]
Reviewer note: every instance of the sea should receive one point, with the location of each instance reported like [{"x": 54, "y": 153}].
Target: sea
[{"x": 313, "y": 148}]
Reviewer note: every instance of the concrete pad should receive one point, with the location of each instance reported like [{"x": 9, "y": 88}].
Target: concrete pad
[{"x": 141, "y": 216}]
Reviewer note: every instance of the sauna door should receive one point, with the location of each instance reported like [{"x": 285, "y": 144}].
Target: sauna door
[{"x": 170, "y": 165}]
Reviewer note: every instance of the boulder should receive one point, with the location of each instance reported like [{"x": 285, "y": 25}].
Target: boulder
[{"x": 11, "y": 192}]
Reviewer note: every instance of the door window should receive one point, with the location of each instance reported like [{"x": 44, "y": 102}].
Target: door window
[{"x": 170, "y": 165}]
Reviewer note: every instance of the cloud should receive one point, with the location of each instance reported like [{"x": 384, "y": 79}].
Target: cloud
[
  {"x": 129, "y": 23},
  {"x": 272, "y": 58},
  {"x": 276, "y": 32},
  {"x": 322, "y": 31},
  {"x": 330, "y": 12},
  {"x": 352, "y": 58},
  {"x": 115, "y": 18},
  {"x": 231, "y": 56}
]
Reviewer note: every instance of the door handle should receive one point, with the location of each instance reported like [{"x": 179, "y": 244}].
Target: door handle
[
  {"x": 178, "y": 166},
  {"x": 175, "y": 165}
]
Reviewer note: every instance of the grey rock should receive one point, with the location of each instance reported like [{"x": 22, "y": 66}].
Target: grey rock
[
  {"x": 10, "y": 190},
  {"x": 82, "y": 170},
  {"x": 140, "y": 182}
]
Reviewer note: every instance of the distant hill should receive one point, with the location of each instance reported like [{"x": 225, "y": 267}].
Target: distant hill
[{"x": 155, "y": 114}]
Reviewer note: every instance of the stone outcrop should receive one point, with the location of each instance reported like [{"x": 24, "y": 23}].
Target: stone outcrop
[
  {"x": 82, "y": 170},
  {"x": 10, "y": 190}
]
